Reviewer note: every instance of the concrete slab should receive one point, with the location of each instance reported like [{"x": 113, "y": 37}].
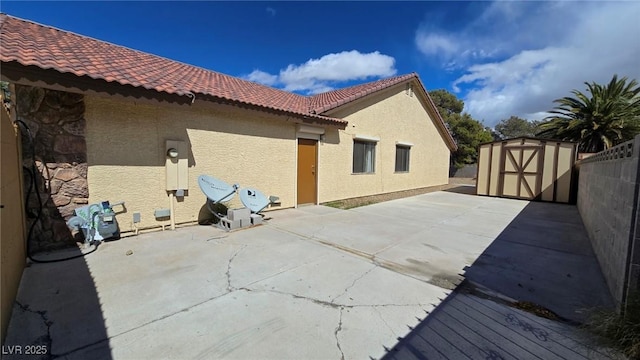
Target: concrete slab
[
  {"x": 313, "y": 282},
  {"x": 244, "y": 325},
  {"x": 368, "y": 233},
  {"x": 199, "y": 292},
  {"x": 528, "y": 251},
  {"x": 436, "y": 255},
  {"x": 480, "y": 222}
]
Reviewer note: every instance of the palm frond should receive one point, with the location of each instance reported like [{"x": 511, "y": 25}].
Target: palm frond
[{"x": 599, "y": 118}]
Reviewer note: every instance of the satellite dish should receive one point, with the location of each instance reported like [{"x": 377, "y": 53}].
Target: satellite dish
[
  {"x": 216, "y": 190},
  {"x": 253, "y": 199}
]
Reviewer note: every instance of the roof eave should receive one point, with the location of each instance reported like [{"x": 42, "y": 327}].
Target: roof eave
[
  {"x": 33, "y": 75},
  {"x": 304, "y": 117},
  {"x": 447, "y": 134}
]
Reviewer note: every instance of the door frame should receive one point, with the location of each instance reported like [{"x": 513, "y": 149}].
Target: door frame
[
  {"x": 317, "y": 187},
  {"x": 309, "y": 132},
  {"x": 520, "y": 165}
]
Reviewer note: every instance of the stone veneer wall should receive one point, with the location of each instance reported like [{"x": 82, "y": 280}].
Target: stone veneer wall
[
  {"x": 57, "y": 124},
  {"x": 608, "y": 204}
]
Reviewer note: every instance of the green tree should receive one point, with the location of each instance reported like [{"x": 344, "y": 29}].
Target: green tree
[
  {"x": 516, "y": 127},
  {"x": 469, "y": 134},
  {"x": 446, "y": 102},
  {"x": 466, "y": 131},
  {"x": 608, "y": 116}
]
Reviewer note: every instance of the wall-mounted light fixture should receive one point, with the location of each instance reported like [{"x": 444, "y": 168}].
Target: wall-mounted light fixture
[{"x": 172, "y": 153}]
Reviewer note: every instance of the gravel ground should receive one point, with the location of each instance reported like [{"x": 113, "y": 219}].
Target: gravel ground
[{"x": 367, "y": 200}]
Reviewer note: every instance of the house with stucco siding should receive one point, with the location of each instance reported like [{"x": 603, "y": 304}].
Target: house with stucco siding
[{"x": 102, "y": 117}]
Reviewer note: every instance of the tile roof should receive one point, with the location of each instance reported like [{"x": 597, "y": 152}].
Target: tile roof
[
  {"x": 29, "y": 43},
  {"x": 332, "y": 99}
]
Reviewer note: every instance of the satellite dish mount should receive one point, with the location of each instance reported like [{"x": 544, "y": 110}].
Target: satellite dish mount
[{"x": 216, "y": 191}]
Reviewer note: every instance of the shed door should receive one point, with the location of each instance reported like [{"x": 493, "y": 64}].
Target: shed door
[
  {"x": 307, "y": 166},
  {"x": 521, "y": 171}
]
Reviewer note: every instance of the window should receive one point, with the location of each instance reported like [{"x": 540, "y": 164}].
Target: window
[
  {"x": 402, "y": 158},
  {"x": 364, "y": 156}
]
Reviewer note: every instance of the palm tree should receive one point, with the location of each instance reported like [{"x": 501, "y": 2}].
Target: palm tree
[{"x": 609, "y": 116}]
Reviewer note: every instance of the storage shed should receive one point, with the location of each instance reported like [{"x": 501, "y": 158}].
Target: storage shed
[{"x": 527, "y": 168}]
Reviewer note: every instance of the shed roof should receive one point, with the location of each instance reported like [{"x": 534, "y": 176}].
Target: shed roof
[{"x": 529, "y": 138}]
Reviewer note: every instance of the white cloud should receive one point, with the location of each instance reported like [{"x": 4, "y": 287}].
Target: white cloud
[
  {"x": 432, "y": 44},
  {"x": 262, "y": 77},
  {"x": 318, "y": 89},
  {"x": 318, "y": 75},
  {"x": 555, "y": 48},
  {"x": 493, "y": 33}
]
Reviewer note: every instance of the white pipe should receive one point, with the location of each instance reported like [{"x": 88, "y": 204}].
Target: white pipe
[{"x": 172, "y": 215}]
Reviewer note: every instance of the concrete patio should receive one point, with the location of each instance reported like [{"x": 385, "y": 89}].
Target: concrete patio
[{"x": 322, "y": 283}]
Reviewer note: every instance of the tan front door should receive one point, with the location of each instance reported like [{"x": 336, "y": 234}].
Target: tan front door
[
  {"x": 521, "y": 175},
  {"x": 307, "y": 166}
]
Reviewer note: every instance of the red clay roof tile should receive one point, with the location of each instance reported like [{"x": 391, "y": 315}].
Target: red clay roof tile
[
  {"x": 332, "y": 99},
  {"x": 324, "y": 102},
  {"x": 29, "y": 43}
]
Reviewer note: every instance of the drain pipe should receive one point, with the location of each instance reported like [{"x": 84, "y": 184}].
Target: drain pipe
[{"x": 172, "y": 215}]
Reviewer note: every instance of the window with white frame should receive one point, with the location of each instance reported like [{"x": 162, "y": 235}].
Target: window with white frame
[
  {"x": 402, "y": 158},
  {"x": 364, "y": 156}
]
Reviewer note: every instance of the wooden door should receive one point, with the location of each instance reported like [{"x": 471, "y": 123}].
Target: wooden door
[
  {"x": 307, "y": 171},
  {"x": 521, "y": 171}
]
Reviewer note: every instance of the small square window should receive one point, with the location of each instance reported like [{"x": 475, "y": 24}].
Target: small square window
[
  {"x": 364, "y": 156},
  {"x": 402, "y": 158}
]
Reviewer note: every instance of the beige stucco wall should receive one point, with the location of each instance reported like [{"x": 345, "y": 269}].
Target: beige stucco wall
[
  {"x": 393, "y": 116},
  {"x": 12, "y": 236},
  {"x": 126, "y": 154},
  {"x": 126, "y": 151}
]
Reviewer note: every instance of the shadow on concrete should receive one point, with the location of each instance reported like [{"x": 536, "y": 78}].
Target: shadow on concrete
[
  {"x": 57, "y": 311},
  {"x": 465, "y": 326},
  {"x": 57, "y": 307},
  {"x": 543, "y": 257},
  {"x": 462, "y": 189}
]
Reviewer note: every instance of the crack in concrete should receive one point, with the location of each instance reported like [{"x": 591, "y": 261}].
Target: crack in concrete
[
  {"x": 286, "y": 270},
  {"x": 315, "y": 301},
  {"x": 338, "y": 329},
  {"x": 328, "y": 303},
  {"x": 354, "y": 282},
  {"x": 188, "y": 308},
  {"x": 228, "y": 273},
  {"x": 161, "y": 318},
  {"x": 46, "y": 338},
  {"x": 373, "y": 258},
  {"x": 217, "y": 238},
  {"x": 385, "y": 321},
  {"x": 384, "y": 305}
]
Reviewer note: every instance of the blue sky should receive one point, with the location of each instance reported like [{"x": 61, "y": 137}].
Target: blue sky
[{"x": 502, "y": 58}]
